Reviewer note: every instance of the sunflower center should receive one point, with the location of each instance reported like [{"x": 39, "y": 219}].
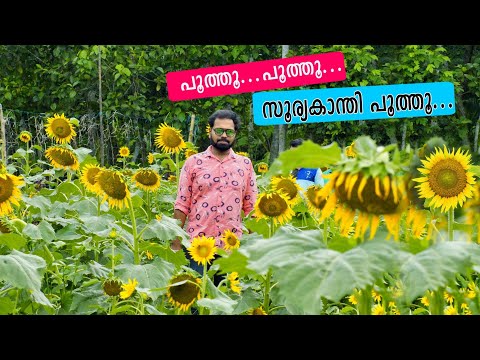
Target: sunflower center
[
  {"x": 370, "y": 203},
  {"x": 112, "y": 287},
  {"x": 91, "y": 175},
  {"x": 316, "y": 200},
  {"x": 288, "y": 188},
  {"x": 146, "y": 178},
  {"x": 171, "y": 139},
  {"x": 186, "y": 293},
  {"x": 113, "y": 186},
  {"x": 61, "y": 127},
  {"x": 272, "y": 206},
  {"x": 447, "y": 178},
  {"x": 62, "y": 157},
  {"x": 203, "y": 251},
  {"x": 6, "y": 189},
  {"x": 231, "y": 240}
]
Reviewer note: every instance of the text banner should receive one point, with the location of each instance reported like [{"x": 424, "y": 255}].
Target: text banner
[
  {"x": 353, "y": 103},
  {"x": 256, "y": 76}
]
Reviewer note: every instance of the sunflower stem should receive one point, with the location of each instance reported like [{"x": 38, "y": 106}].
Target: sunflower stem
[
  {"x": 325, "y": 231},
  {"x": 148, "y": 206},
  {"x": 113, "y": 256},
  {"x": 27, "y": 161},
  {"x": 451, "y": 216},
  {"x": 266, "y": 297},
  {"x": 136, "y": 252},
  {"x": 436, "y": 302},
  {"x": 177, "y": 169},
  {"x": 365, "y": 301},
  {"x": 204, "y": 286},
  {"x": 98, "y": 205}
]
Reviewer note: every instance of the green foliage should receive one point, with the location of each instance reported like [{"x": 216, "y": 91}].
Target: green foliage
[{"x": 38, "y": 81}]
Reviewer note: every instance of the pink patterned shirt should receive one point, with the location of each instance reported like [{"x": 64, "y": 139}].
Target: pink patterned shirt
[{"x": 213, "y": 192}]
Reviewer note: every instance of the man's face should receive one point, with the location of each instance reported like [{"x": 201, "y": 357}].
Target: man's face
[{"x": 226, "y": 139}]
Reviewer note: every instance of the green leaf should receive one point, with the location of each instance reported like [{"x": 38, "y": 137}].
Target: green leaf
[
  {"x": 308, "y": 155},
  {"x": 69, "y": 232},
  {"x": 12, "y": 240},
  {"x": 436, "y": 266},
  {"x": 99, "y": 225},
  {"x": 166, "y": 230},
  {"x": 155, "y": 275},
  {"x": 284, "y": 246},
  {"x": 23, "y": 271},
  {"x": 89, "y": 300}
]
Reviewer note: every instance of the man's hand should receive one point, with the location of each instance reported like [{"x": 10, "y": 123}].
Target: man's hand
[{"x": 176, "y": 244}]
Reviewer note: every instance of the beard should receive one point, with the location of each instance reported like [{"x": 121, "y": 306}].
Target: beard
[{"x": 222, "y": 145}]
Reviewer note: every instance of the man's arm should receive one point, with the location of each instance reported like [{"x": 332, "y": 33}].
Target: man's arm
[{"x": 179, "y": 215}]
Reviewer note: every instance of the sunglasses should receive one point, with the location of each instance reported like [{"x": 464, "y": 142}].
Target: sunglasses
[{"x": 220, "y": 131}]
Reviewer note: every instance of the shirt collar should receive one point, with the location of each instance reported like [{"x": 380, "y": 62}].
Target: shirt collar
[{"x": 209, "y": 152}]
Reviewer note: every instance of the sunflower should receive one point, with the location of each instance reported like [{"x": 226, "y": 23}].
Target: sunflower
[
  {"x": 169, "y": 139},
  {"x": 242, "y": 153},
  {"x": 4, "y": 227},
  {"x": 112, "y": 287},
  {"x": 257, "y": 311},
  {"x": 60, "y": 129},
  {"x": 350, "y": 150},
  {"x": 447, "y": 181},
  {"x": 234, "y": 282},
  {"x": 147, "y": 179},
  {"x": 149, "y": 255},
  {"x": 417, "y": 220},
  {"x": 378, "y": 309},
  {"x": 150, "y": 158},
  {"x": 315, "y": 201},
  {"x": 366, "y": 186},
  {"x": 275, "y": 206},
  {"x": 230, "y": 240},
  {"x": 190, "y": 152},
  {"x": 352, "y": 299},
  {"x": 25, "y": 136},
  {"x": 183, "y": 295},
  {"x": 124, "y": 151},
  {"x": 89, "y": 172},
  {"x": 172, "y": 178},
  {"x": 112, "y": 186},
  {"x": 202, "y": 249},
  {"x": 208, "y": 129},
  {"x": 128, "y": 288},
  {"x": 450, "y": 310},
  {"x": 472, "y": 209},
  {"x": 62, "y": 158},
  {"x": 262, "y": 167},
  {"x": 9, "y": 191},
  {"x": 289, "y": 186}
]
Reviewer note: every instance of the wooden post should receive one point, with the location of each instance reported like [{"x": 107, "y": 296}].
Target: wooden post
[
  {"x": 102, "y": 139},
  {"x": 192, "y": 125},
  {"x": 3, "y": 137}
]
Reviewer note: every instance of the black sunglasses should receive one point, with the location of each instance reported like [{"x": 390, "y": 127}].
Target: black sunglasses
[{"x": 220, "y": 131}]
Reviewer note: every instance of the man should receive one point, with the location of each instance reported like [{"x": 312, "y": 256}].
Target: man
[
  {"x": 307, "y": 176},
  {"x": 216, "y": 185}
]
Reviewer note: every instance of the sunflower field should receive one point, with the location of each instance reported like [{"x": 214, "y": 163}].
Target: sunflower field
[
  {"x": 391, "y": 232},
  {"x": 86, "y": 197}
]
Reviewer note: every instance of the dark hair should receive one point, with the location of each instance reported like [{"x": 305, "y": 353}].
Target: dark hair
[
  {"x": 225, "y": 114},
  {"x": 296, "y": 142}
]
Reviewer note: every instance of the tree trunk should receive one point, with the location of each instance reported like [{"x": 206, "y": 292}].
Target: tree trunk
[
  {"x": 102, "y": 142},
  {"x": 280, "y": 131},
  {"x": 3, "y": 137}
]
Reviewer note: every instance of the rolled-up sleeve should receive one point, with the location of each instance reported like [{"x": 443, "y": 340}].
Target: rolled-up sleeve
[
  {"x": 251, "y": 190},
  {"x": 184, "y": 197}
]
